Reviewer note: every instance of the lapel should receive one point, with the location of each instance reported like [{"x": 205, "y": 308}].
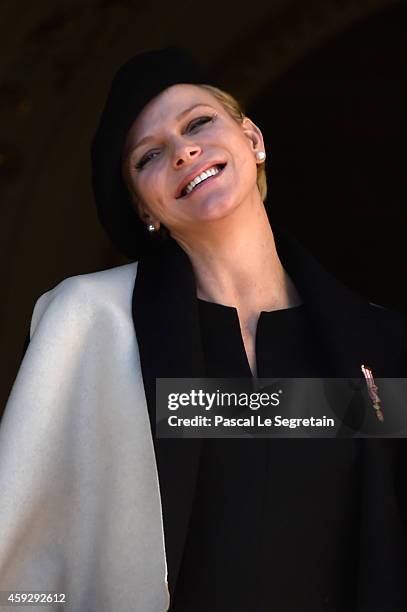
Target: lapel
[{"x": 165, "y": 315}]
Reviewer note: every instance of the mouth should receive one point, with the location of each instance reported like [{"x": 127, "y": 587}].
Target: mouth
[{"x": 184, "y": 194}]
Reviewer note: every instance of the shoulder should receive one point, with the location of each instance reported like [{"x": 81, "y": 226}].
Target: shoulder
[
  {"x": 77, "y": 297},
  {"x": 117, "y": 278}
]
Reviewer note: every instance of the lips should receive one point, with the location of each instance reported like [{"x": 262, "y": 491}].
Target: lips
[{"x": 196, "y": 173}]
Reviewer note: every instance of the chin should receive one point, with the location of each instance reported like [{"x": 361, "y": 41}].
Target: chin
[{"x": 216, "y": 209}]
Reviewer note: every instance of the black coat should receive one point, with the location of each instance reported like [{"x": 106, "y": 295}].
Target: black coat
[{"x": 354, "y": 332}]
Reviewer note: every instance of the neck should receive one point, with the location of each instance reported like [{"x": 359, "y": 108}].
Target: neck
[{"x": 236, "y": 263}]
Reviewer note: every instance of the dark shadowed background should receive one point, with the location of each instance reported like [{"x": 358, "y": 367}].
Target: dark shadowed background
[{"x": 323, "y": 79}]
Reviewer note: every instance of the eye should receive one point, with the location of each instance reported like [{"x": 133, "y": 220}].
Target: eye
[
  {"x": 146, "y": 158},
  {"x": 200, "y": 121},
  {"x": 191, "y": 126}
]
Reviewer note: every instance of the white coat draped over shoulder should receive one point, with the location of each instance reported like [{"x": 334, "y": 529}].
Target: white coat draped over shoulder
[{"x": 80, "y": 508}]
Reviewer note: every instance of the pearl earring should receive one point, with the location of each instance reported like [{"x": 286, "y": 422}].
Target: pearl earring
[
  {"x": 150, "y": 227},
  {"x": 261, "y": 156}
]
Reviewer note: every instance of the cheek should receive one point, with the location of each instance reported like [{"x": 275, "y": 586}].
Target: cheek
[
  {"x": 151, "y": 192},
  {"x": 245, "y": 167},
  {"x": 239, "y": 149},
  {"x": 142, "y": 188},
  {"x": 248, "y": 159},
  {"x": 149, "y": 182}
]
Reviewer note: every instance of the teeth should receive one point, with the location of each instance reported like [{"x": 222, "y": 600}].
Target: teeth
[{"x": 201, "y": 177}]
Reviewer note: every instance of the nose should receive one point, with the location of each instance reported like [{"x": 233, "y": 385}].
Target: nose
[{"x": 185, "y": 153}]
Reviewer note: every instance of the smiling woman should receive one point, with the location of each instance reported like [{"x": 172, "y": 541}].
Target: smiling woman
[
  {"x": 235, "y": 110},
  {"x": 95, "y": 503},
  {"x": 147, "y": 150}
]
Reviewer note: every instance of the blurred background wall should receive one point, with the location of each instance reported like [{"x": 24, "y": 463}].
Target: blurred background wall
[{"x": 323, "y": 79}]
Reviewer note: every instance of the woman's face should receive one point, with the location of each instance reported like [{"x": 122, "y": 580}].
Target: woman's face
[{"x": 179, "y": 134}]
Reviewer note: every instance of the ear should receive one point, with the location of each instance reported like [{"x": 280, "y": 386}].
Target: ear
[{"x": 254, "y": 135}]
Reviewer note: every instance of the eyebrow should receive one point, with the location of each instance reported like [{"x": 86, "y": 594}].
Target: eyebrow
[{"x": 180, "y": 116}]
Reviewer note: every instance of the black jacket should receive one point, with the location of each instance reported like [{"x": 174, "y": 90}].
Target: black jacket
[{"x": 354, "y": 332}]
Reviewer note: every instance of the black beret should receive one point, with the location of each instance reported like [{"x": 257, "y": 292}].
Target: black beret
[{"x": 137, "y": 81}]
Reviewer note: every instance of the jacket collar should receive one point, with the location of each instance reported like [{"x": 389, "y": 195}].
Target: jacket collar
[{"x": 166, "y": 320}]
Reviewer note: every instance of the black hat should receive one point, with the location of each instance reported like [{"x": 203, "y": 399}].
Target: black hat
[{"x": 138, "y": 81}]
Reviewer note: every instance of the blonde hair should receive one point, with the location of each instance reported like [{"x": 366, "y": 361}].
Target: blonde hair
[{"x": 235, "y": 110}]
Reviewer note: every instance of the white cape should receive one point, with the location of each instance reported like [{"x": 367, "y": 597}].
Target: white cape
[{"x": 80, "y": 509}]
